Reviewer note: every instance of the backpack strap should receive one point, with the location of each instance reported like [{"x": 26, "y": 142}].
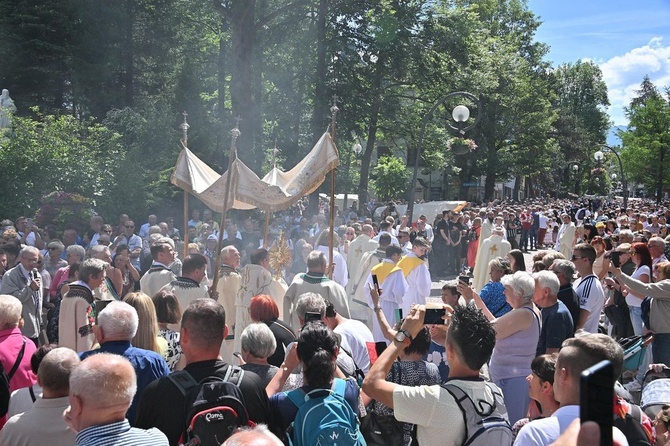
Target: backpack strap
[
  {"x": 234, "y": 375},
  {"x": 16, "y": 365},
  {"x": 458, "y": 395},
  {"x": 339, "y": 386},
  {"x": 636, "y": 413},
  {"x": 297, "y": 397},
  {"x": 32, "y": 393},
  {"x": 183, "y": 380}
]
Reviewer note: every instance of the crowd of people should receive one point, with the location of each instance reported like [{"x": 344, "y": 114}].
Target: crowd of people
[{"x": 144, "y": 309}]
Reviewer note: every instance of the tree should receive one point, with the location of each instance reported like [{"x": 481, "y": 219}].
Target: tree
[
  {"x": 391, "y": 178},
  {"x": 646, "y": 142}
]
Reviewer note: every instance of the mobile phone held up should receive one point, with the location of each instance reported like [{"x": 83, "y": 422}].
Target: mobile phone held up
[
  {"x": 312, "y": 317},
  {"x": 596, "y": 398},
  {"x": 615, "y": 258},
  {"x": 434, "y": 316}
]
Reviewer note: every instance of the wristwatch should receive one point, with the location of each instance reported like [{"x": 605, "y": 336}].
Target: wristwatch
[{"x": 403, "y": 336}]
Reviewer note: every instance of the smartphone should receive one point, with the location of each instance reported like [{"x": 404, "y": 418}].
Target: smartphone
[
  {"x": 596, "y": 398},
  {"x": 464, "y": 279},
  {"x": 312, "y": 317},
  {"x": 375, "y": 282},
  {"x": 434, "y": 316},
  {"x": 398, "y": 314},
  {"x": 615, "y": 258}
]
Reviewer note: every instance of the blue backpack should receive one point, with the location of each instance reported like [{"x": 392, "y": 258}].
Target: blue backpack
[{"x": 324, "y": 418}]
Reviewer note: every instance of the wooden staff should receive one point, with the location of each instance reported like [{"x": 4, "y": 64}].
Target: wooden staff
[
  {"x": 331, "y": 235},
  {"x": 235, "y": 133},
  {"x": 184, "y": 141},
  {"x": 267, "y": 228}
]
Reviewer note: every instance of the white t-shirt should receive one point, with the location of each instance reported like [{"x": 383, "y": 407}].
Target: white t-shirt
[
  {"x": 355, "y": 339},
  {"x": 547, "y": 430},
  {"x": 631, "y": 300},
  {"x": 591, "y": 298},
  {"x": 435, "y": 411}
]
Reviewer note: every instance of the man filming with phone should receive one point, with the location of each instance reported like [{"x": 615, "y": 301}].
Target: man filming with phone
[{"x": 433, "y": 408}]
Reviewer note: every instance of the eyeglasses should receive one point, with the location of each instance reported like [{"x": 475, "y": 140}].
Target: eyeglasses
[
  {"x": 109, "y": 231},
  {"x": 129, "y": 227},
  {"x": 576, "y": 257}
]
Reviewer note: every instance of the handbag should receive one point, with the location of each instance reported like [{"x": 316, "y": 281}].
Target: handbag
[
  {"x": 619, "y": 316},
  {"x": 382, "y": 430}
]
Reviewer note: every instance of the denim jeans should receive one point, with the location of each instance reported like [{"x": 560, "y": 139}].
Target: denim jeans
[
  {"x": 515, "y": 392},
  {"x": 638, "y": 329}
]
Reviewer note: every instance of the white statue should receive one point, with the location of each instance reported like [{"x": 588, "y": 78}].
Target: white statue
[{"x": 7, "y": 108}]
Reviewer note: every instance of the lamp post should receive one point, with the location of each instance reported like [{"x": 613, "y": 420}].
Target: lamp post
[
  {"x": 357, "y": 149},
  {"x": 621, "y": 171},
  {"x": 460, "y": 115},
  {"x": 575, "y": 169}
]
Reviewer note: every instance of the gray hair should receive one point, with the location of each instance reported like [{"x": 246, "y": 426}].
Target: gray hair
[
  {"x": 258, "y": 340},
  {"x": 316, "y": 259},
  {"x": 155, "y": 229},
  {"x": 310, "y": 303},
  {"x": 657, "y": 240},
  {"x": 10, "y": 311},
  {"x": 56, "y": 367},
  {"x": 95, "y": 250},
  {"x": 28, "y": 249},
  {"x": 91, "y": 268},
  {"x": 56, "y": 244},
  {"x": 626, "y": 236},
  {"x": 522, "y": 284},
  {"x": 118, "y": 320},
  {"x": 547, "y": 279},
  {"x": 76, "y": 250},
  {"x": 565, "y": 267},
  {"x": 115, "y": 371},
  {"x": 245, "y": 436}
]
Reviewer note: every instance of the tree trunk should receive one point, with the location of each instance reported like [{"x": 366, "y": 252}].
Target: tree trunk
[
  {"x": 243, "y": 40},
  {"x": 128, "y": 54},
  {"x": 321, "y": 102}
]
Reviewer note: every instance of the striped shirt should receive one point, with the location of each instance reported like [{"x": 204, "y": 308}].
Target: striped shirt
[{"x": 120, "y": 434}]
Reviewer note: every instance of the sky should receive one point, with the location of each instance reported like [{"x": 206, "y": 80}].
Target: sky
[{"x": 626, "y": 39}]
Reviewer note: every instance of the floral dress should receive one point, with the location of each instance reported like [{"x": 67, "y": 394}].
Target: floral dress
[{"x": 173, "y": 347}]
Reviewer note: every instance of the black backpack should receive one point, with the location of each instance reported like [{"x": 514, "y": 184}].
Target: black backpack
[
  {"x": 214, "y": 407},
  {"x": 485, "y": 423},
  {"x": 631, "y": 426},
  {"x": 5, "y": 378}
]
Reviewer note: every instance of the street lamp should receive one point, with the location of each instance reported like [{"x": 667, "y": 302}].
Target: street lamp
[
  {"x": 575, "y": 169},
  {"x": 460, "y": 115},
  {"x": 357, "y": 148},
  {"x": 624, "y": 183}
]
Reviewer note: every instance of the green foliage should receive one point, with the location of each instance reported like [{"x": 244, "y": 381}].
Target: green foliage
[
  {"x": 646, "y": 142},
  {"x": 57, "y": 153},
  {"x": 391, "y": 178},
  {"x": 64, "y": 210}
]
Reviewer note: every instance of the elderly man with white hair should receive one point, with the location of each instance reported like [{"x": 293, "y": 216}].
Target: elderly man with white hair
[
  {"x": 43, "y": 423},
  {"x": 25, "y": 283},
  {"x": 98, "y": 412},
  {"x": 116, "y": 327},
  {"x": 557, "y": 323},
  {"x": 490, "y": 248}
]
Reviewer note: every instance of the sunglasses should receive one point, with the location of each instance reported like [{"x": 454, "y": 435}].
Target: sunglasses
[{"x": 576, "y": 257}]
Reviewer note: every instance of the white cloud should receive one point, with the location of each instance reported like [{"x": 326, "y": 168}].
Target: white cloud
[{"x": 623, "y": 74}]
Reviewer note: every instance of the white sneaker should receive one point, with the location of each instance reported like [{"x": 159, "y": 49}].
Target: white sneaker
[{"x": 633, "y": 386}]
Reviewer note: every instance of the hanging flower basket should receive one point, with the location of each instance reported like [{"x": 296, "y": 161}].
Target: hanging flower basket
[
  {"x": 461, "y": 146},
  {"x": 597, "y": 171}
]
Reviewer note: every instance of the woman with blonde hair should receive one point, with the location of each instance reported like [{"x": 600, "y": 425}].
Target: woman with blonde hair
[{"x": 147, "y": 329}]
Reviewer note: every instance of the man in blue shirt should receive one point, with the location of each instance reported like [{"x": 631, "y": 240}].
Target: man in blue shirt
[
  {"x": 116, "y": 327},
  {"x": 557, "y": 323},
  {"x": 97, "y": 412}
]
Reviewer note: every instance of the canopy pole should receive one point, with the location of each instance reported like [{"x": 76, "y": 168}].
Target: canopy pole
[
  {"x": 185, "y": 224},
  {"x": 333, "y": 111},
  {"x": 267, "y": 228},
  {"x": 234, "y": 134},
  {"x": 184, "y": 142}
]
